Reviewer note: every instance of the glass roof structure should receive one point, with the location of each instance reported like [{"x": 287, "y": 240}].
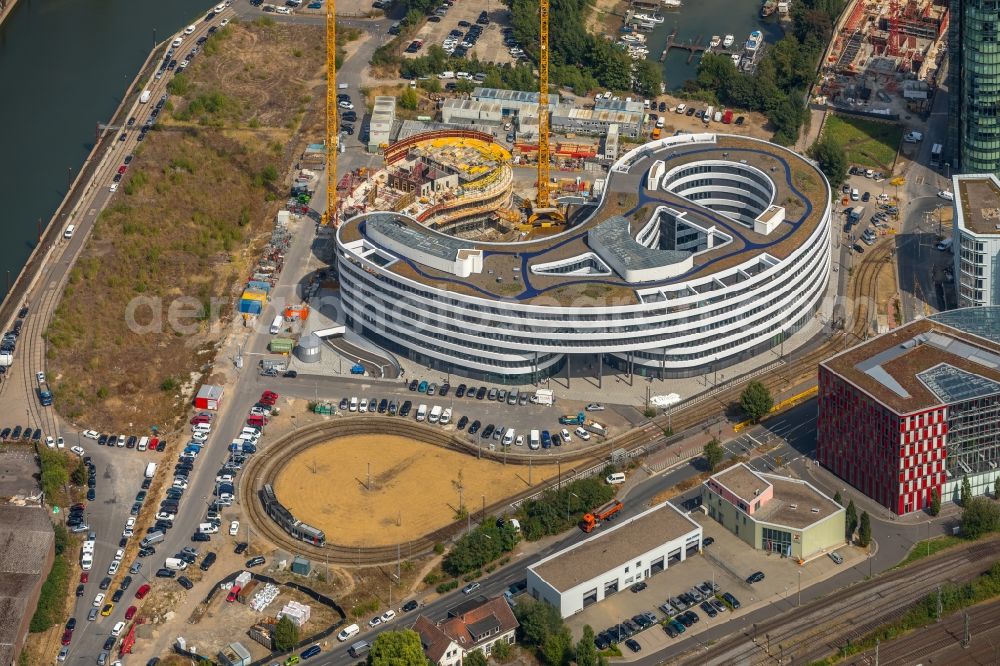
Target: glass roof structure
[
  {"x": 981, "y": 321},
  {"x": 952, "y": 385}
]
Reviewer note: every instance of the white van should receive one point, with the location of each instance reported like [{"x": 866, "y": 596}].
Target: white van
[
  {"x": 681, "y": 108},
  {"x": 146, "y": 94},
  {"x": 534, "y": 440},
  {"x": 190, "y": 29},
  {"x": 276, "y": 324},
  {"x": 208, "y": 528},
  {"x": 660, "y": 122},
  {"x": 202, "y": 428},
  {"x": 446, "y": 75},
  {"x": 435, "y": 414},
  {"x": 69, "y": 231},
  {"x": 855, "y": 195},
  {"x": 342, "y": 86},
  {"x": 348, "y": 632},
  {"x": 143, "y": 443},
  {"x": 508, "y": 437},
  {"x": 175, "y": 563},
  {"x": 421, "y": 412},
  {"x": 354, "y": 404},
  {"x": 445, "y": 417},
  {"x": 615, "y": 479}
]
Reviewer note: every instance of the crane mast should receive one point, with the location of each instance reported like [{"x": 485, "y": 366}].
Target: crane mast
[
  {"x": 542, "y": 200},
  {"x": 330, "y": 214}
]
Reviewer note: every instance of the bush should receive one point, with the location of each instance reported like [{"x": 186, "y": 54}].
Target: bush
[
  {"x": 286, "y": 635},
  {"x": 480, "y": 547},
  {"x": 169, "y": 385},
  {"x": 446, "y": 587},
  {"x": 756, "y": 401},
  {"x": 51, "y": 600},
  {"x": 558, "y": 510},
  {"x": 54, "y": 474},
  {"x": 408, "y": 100}
]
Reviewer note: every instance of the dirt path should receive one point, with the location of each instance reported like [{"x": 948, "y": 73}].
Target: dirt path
[{"x": 603, "y": 16}]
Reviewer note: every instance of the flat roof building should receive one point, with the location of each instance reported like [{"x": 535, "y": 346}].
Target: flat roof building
[
  {"x": 27, "y": 548},
  {"x": 976, "y": 239},
  {"x": 610, "y": 561},
  {"x": 471, "y": 112},
  {"x": 567, "y": 118},
  {"x": 916, "y": 410},
  {"x": 774, "y": 513},
  {"x": 513, "y": 102},
  {"x": 380, "y": 125}
]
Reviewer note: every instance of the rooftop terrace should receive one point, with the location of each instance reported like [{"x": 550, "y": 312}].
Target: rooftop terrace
[{"x": 978, "y": 203}]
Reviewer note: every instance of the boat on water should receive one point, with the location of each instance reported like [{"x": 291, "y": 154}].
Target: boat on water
[
  {"x": 645, "y": 26},
  {"x": 768, "y": 8},
  {"x": 672, "y": 4},
  {"x": 715, "y": 41},
  {"x": 651, "y": 18},
  {"x": 756, "y": 38},
  {"x": 736, "y": 59},
  {"x": 728, "y": 41},
  {"x": 663, "y": 88}
]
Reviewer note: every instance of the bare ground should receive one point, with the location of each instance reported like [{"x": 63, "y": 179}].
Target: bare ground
[
  {"x": 190, "y": 218},
  {"x": 414, "y": 487}
]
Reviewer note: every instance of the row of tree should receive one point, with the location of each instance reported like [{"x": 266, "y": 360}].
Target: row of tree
[
  {"x": 559, "y": 509},
  {"x": 479, "y": 547},
  {"x": 543, "y": 630}
]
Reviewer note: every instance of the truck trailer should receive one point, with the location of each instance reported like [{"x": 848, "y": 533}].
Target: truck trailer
[{"x": 600, "y": 515}]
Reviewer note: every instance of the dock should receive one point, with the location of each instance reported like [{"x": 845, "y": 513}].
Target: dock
[{"x": 693, "y": 47}]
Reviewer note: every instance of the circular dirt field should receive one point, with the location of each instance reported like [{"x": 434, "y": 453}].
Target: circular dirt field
[{"x": 414, "y": 487}]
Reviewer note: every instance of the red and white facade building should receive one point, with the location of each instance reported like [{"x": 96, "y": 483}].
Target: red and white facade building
[{"x": 915, "y": 410}]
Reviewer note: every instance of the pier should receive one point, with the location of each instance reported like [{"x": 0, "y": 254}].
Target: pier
[{"x": 693, "y": 47}]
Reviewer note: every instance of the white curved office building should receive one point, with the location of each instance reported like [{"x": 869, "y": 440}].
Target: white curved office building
[{"x": 702, "y": 251}]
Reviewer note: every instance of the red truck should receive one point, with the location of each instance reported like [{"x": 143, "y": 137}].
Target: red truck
[
  {"x": 727, "y": 117},
  {"x": 601, "y": 515}
]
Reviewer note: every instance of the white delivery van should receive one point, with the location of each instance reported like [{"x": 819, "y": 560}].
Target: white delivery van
[
  {"x": 660, "y": 122},
  {"x": 615, "y": 478},
  {"x": 150, "y": 470},
  {"x": 445, "y": 417},
  {"x": 709, "y": 112},
  {"x": 143, "y": 443},
  {"x": 86, "y": 561},
  {"x": 534, "y": 440},
  {"x": 208, "y": 528},
  {"x": 348, "y": 632},
  {"x": 421, "y": 412},
  {"x": 276, "y": 324},
  {"x": 175, "y": 563},
  {"x": 354, "y": 404},
  {"x": 435, "y": 414},
  {"x": 146, "y": 94},
  {"x": 69, "y": 231}
]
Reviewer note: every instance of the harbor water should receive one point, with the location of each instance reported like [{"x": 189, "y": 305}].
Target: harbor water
[
  {"x": 701, "y": 19},
  {"x": 64, "y": 65}
]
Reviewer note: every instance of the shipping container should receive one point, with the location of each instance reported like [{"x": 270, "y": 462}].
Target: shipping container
[{"x": 281, "y": 345}]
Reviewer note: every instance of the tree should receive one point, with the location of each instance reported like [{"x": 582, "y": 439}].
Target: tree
[
  {"x": 538, "y": 621},
  {"x": 831, "y": 158},
  {"x": 286, "y": 635},
  {"x": 966, "y": 491},
  {"x": 408, "y": 100},
  {"x": 475, "y": 658},
  {"x": 838, "y": 499},
  {"x": 851, "y": 520},
  {"x": 558, "y": 647},
  {"x": 934, "y": 508},
  {"x": 714, "y": 453},
  {"x": 648, "y": 77},
  {"x": 79, "y": 475},
  {"x": 586, "y": 651},
  {"x": 979, "y": 517},
  {"x": 756, "y": 401},
  {"x": 399, "y": 648},
  {"x": 996, "y": 488},
  {"x": 865, "y": 530}
]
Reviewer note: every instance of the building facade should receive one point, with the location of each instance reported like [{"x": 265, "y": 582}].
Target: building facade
[
  {"x": 476, "y": 624},
  {"x": 615, "y": 558},
  {"x": 729, "y": 254},
  {"x": 974, "y": 85},
  {"x": 976, "y": 239},
  {"x": 915, "y": 411},
  {"x": 774, "y": 513}
]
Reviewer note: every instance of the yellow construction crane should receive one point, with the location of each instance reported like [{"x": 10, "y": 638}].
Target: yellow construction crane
[
  {"x": 330, "y": 214},
  {"x": 543, "y": 210}
]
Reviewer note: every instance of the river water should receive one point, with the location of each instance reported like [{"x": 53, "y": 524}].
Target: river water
[
  {"x": 704, "y": 18},
  {"x": 64, "y": 65}
]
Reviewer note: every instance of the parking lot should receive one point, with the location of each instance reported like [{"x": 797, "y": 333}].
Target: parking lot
[
  {"x": 490, "y": 46},
  {"x": 726, "y": 564}
]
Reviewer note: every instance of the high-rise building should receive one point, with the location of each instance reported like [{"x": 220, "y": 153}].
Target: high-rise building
[
  {"x": 916, "y": 410},
  {"x": 976, "y": 240},
  {"x": 974, "y": 85}
]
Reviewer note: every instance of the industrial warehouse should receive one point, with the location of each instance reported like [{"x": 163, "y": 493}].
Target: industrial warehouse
[
  {"x": 592, "y": 570},
  {"x": 729, "y": 252}
]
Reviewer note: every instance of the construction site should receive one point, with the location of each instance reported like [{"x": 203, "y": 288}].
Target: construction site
[{"x": 886, "y": 57}]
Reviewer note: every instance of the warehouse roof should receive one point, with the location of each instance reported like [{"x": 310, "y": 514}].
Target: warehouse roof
[
  {"x": 26, "y": 540},
  {"x": 434, "y": 244},
  {"x": 610, "y": 548},
  {"x": 793, "y": 503}
]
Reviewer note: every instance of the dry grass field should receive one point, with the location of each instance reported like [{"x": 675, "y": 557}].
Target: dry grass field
[
  {"x": 414, "y": 487},
  {"x": 190, "y": 217}
]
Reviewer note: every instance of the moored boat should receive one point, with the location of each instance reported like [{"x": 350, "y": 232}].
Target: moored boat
[
  {"x": 728, "y": 41},
  {"x": 715, "y": 41}
]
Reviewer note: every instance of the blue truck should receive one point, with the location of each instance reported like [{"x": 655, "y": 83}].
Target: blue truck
[{"x": 44, "y": 393}]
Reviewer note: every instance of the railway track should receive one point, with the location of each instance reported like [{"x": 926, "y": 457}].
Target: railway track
[
  {"x": 811, "y": 632},
  {"x": 265, "y": 467}
]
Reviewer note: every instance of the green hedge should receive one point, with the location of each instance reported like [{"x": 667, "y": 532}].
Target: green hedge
[
  {"x": 52, "y": 599},
  {"x": 558, "y": 510}
]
